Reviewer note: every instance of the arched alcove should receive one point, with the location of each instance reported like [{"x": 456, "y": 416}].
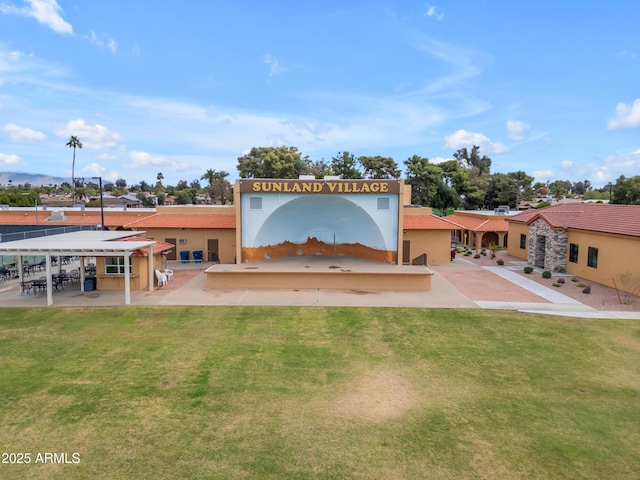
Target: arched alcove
[{"x": 331, "y": 219}]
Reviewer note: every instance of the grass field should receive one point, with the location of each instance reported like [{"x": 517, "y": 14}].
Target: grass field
[{"x": 326, "y": 393}]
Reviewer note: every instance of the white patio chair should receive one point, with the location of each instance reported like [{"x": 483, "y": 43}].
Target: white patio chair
[
  {"x": 169, "y": 273},
  {"x": 162, "y": 278}
]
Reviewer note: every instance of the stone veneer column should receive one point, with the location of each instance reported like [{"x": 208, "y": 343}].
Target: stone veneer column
[{"x": 555, "y": 254}]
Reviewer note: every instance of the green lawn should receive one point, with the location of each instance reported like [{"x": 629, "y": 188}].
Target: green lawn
[{"x": 326, "y": 393}]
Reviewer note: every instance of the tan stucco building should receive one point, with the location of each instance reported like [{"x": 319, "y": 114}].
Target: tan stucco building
[{"x": 598, "y": 242}]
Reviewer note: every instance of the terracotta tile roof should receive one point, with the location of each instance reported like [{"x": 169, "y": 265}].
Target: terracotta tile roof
[
  {"x": 605, "y": 218},
  {"x": 90, "y": 218},
  {"x": 95, "y": 219},
  {"x": 481, "y": 223},
  {"x": 187, "y": 220},
  {"x": 427, "y": 222},
  {"x": 19, "y": 218},
  {"x": 143, "y": 252}
]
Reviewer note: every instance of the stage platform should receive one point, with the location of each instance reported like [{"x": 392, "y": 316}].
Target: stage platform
[{"x": 311, "y": 272}]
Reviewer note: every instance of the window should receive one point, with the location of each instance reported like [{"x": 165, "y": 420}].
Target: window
[
  {"x": 523, "y": 241},
  {"x": 115, "y": 266},
  {"x": 383, "y": 203},
  {"x": 592, "y": 258},
  {"x": 573, "y": 252},
  {"x": 255, "y": 203}
]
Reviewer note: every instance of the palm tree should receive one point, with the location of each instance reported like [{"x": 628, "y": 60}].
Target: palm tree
[
  {"x": 210, "y": 176},
  {"x": 73, "y": 143}
]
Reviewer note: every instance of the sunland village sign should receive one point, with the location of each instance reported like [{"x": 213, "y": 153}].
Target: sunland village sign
[{"x": 319, "y": 186}]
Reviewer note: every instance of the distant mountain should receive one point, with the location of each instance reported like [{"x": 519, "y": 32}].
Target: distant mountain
[{"x": 35, "y": 179}]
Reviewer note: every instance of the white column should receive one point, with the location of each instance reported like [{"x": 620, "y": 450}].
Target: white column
[
  {"x": 82, "y": 274},
  {"x": 49, "y": 279},
  {"x": 127, "y": 279},
  {"x": 151, "y": 269}
]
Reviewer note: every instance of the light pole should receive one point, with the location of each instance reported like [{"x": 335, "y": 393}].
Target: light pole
[
  {"x": 101, "y": 204},
  {"x": 35, "y": 199}
]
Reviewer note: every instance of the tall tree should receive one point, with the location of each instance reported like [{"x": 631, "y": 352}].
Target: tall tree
[
  {"x": 159, "y": 178},
  {"x": 379, "y": 167},
  {"x": 219, "y": 188},
  {"x": 271, "y": 162},
  {"x": 345, "y": 166},
  {"x": 317, "y": 168},
  {"x": 626, "y": 191},
  {"x": 424, "y": 179},
  {"x": 74, "y": 142},
  {"x": 479, "y": 172},
  {"x": 473, "y": 159}
]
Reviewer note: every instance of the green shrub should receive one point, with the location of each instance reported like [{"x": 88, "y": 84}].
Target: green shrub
[
  {"x": 555, "y": 284},
  {"x": 500, "y": 261},
  {"x": 528, "y": 269},
  {"x": 546, "y": 274},
  {"x": 477, "y": 255}
]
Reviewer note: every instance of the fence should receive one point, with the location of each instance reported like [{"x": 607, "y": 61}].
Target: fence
[{"x": 10, "y": 237}]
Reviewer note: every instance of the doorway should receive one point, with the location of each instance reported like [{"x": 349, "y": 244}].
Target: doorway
[
  {"x": 212, "y": 250},
  {"x": 541, "y": 243},
  {"x": 172, "y": 253},
  {"x": 406, "y": 252}
]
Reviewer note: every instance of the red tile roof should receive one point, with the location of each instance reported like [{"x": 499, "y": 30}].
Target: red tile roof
[
  {"x": 427, "y": 222},
  {"x": 481, "y": 223},
  {"x": 143, "y": 252},
  {"x": 44, "y": 218},
  {"x": 595, "y": 217},
  {"x": 187, "y": 220}
]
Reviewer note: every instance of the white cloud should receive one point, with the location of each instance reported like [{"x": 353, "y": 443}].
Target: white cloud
[
  {"x": 437, "y": 160},
  {"x": 135, "y": 50},
  {"x": 46, "y": 12},
  {"x": 516, "y": 129},
  {"x": 543, "y": 174},
  {"x": 148, "y": 160},
  {"x": 9, "y": 159},
  {"x": 94, "y": 137},
  {"x": 626, "y": 53},
  {"x": 104, "y": 41},
  {"x": 566, "y": 164},
  {"x": 274, "y": 65},
  {"x": 627, "y": 116},
  {"x": 432, "y": 11},
  {"x": 464, "y": 139},
  {"x": 23, "y": 134}
]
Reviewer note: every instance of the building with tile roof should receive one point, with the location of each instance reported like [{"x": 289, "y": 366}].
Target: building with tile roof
[
  {"x": 480, "y": 229},
  {"x": 598, "y": 242}
]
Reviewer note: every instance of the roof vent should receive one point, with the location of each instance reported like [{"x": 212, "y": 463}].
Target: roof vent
[
  {"x": 57, "y": 216},
  {"x": 501, "y": 210}
]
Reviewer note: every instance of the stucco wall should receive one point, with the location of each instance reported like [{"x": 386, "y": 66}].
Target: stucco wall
[
  {"x": 139, "y": 274},
  {"x": 513, "y": 248},
  {"x": 196, "y": 239},
  {"x": 616, "y": 255},
  {"x": 435, "y": 243}
]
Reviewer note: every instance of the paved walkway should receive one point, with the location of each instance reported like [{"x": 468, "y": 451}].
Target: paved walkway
[{"x": 193, "y": 292}]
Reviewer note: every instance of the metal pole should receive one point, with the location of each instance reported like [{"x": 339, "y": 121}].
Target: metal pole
[{"x": 101, "y": 205}]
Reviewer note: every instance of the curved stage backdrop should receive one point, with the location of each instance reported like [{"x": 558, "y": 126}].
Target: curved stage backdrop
[{"x": 357, "y": 218}]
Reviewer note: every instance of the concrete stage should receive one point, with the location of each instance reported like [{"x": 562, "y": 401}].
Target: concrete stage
[{"x": 309, "y": 272}]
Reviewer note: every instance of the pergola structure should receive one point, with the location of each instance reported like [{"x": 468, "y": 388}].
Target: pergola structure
[{"x": 95, "y": 243}]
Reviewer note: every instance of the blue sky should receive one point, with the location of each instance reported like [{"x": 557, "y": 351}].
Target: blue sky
[{"x": 551, "y": 88}]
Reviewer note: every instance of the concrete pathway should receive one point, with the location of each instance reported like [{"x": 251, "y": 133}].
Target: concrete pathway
[
  {"x": 560, "y": 304},
  {"x": 442, "y": 295}
]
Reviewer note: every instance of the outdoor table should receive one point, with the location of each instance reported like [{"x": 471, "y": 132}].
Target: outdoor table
[{"x": 35, "y": 285}]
